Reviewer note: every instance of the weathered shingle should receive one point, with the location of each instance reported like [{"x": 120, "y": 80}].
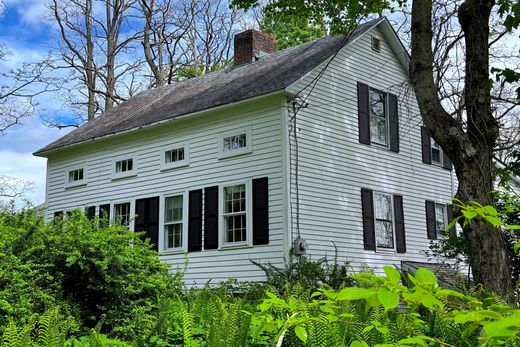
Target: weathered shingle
[{"x": 271, "y": 73}]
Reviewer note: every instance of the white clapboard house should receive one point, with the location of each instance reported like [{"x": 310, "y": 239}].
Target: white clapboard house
[{"x": 319, "y": 146}]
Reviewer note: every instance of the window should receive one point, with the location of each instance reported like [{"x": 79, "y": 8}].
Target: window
[
  {"x": 173, "y": 222},
  {"x": 440, "y": 219},
  {"x": 75, "y": 175},
  {"x": 122, "y": 213},
  {"x": 235, "y": 143},
  {"x": 436, "y": 152},
  {"x": 378, "y": 117},
  {"x": 124, "y": 167},
  {"x": 235, "y": 214},
  {"x": 383, "y": 221},
  {"x": 376, "y": 44},
  {"x": 175, "y": 157}
]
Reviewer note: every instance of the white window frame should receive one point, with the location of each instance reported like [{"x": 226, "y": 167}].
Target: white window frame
[
  {"x": 239, "y": 151},
  {"x": 176, "y": 164},
  {"x": 387, "y": 119},
  {"x": 130, "y": 225},
  {"x": 77, "y": 183},
  {"x": 384, "y": 249},
  {"x": 442, "y": 233},
  {"x": 162, "y": 235},
  {"x": 441, "y": 153},
  {"x": 124, "y": 174},
  {"x": 249, "y": 215}
]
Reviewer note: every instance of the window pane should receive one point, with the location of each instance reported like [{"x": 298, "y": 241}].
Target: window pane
[
  {"x": 235, "y": 199},
  {"x": 378, "y": 124},
  {"x": 440, "y": 218},
  {"x": 383, "y": 204},
  {"x": 173, "y": 234},
  {"x": 378, "y": 131},
  {"x": 377, "y": 104},
  {"x": 234, "y": 142},
  {"x": 173, "y": 206},
  {"x": 235, "y": 228},
  {"x": 122, "y": 213},
  {"x": 436, "y": 155},
  {"x": 384, "y": 234}
]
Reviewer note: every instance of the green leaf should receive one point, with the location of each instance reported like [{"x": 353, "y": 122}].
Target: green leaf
[
  {"x": 425, "y": 276},
  {"x": 354, "y": 293},
  {"x": 469, "y": 214},
  {"x": 389, "y": 299},
  {"x": 392, "y": 274},
  {"x": 301, "y": 333},
  {"x": 358, "y": 344}
]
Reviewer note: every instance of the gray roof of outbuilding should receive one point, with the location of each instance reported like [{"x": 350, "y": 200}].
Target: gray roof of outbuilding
[{"x": 270, "y": 73}]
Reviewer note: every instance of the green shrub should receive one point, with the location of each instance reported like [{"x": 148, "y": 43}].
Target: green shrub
[
  {"x": 308, "y": 273},
  {"x": 89, "y": 271}
]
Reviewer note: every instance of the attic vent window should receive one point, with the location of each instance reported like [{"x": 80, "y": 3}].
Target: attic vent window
[{"x": 376, "y": 44}]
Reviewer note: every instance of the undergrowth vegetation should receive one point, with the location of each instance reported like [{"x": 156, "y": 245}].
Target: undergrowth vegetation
[{"x": 76, "y": 283}]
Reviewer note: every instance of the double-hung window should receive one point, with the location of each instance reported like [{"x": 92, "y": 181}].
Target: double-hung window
[
  {"x": 122, "y": 213},
  {"x": 173, "y": 222},
  {"x": 378, "y": 117},
  {"x": 384, "y": 225},
  {"x": 436, "y": 152},
  {"x": 441, "y": 219},
  {"x": 235, "y": 214}
]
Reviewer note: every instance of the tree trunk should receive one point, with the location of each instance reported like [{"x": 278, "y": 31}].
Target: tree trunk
[{"x": 469, "y": 146}]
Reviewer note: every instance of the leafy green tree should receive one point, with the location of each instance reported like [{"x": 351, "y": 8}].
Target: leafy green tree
[{"x": 468, "y": 134}]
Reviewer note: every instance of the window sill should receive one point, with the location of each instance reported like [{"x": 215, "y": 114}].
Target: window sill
[
  {"x": 76, "y": 185},
  {"x": 235, "y": 246},
  {"x": 123, "y": 176},
  {"x": 173, "y": 251},
  {"x": 386, "y": 250},
  {"x": 234, "y": 153},
  {"x": 168, "y": 167}
]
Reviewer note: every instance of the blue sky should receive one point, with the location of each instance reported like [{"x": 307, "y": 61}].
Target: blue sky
[{"x": 24, "y": 29}]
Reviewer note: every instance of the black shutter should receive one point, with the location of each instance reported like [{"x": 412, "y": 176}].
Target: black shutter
[
  {"x": 260, "y": 211},
  {"x": 431, "y": 229},
  {"x": 363, "y": 113},
  {"x": 91, "y": 212},
  {"x": 369, "y": 233},
  {"x": 147, "y": 219},
  {"x": 104, "y": 215},
  {"x": 449, "y": 211},
  {"x": 426, "y": 146},
  {"x": 400, "y": 237},
  {"x": 211, "y": 217},
  {"x": 446, "y": 162},
  {"x": 393, "y": 114},
  {"x": 195, "y": 220}
]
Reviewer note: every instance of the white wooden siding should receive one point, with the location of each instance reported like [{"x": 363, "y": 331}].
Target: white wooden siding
[
  {"x": 201, "y": 134},
  {"x": 334, "y": 166}
]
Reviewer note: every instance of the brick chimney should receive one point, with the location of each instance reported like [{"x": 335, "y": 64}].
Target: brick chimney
[{"x": 251, "y": 44}]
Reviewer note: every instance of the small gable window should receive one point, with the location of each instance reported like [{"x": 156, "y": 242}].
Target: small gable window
[
  {"x": 376, "y": 44},
  {"x": 174, "y": 157},
  {"x": 235, "y": 143},
  {"x": 75, "y": 175},
  {"x": 124, "y": 167}
]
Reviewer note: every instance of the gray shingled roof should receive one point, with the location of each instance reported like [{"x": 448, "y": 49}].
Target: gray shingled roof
[{"x": 270, "y": 73}]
